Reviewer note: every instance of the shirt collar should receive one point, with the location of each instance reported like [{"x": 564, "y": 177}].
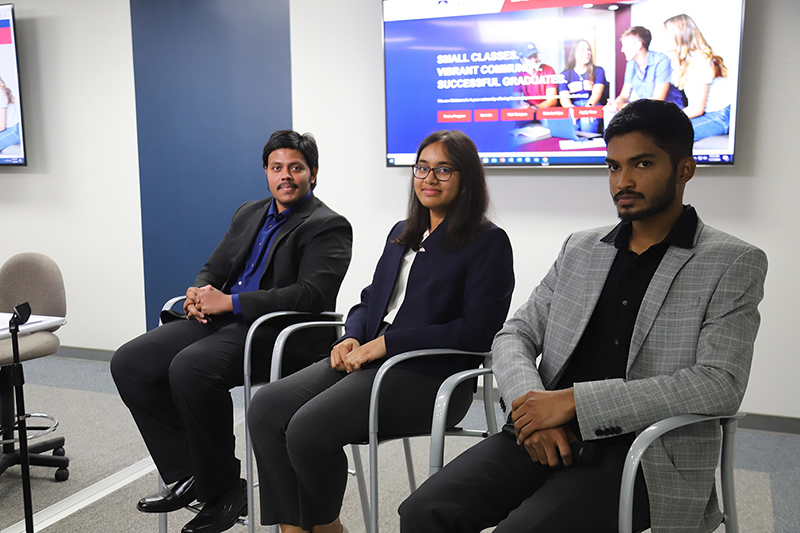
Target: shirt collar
[
  {"x": 289, "y": 211},
  {"x": 681, "y": 234}
]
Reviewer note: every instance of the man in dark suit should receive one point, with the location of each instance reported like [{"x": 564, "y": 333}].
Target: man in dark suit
[{"x": 288, "y": 252}]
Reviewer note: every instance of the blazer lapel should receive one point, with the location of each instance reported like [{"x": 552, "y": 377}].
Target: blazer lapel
[
  {"x": 597, "y": 270},
  {"x": 295, "y": 220},
  {"x": 247, "y": 238},
  {"x": 382, "y": 288},
  {"x": 657, "y": 291},
  {"x": 579, "y": 310}
]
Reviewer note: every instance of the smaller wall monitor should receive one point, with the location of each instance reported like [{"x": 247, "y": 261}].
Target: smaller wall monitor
[{"x": 12, "y": 144}]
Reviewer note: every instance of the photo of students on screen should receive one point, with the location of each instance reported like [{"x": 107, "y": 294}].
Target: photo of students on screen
[
  {"x": 702, "y": 76},
  {"x": 9, "y": 118},
  {"x": 648, "y": 74},
  {"x": 584, "y": 84},
  {"x": 542, "y": 92}
]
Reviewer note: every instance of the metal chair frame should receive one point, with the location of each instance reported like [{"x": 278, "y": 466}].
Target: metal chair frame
[
  {"x": 369, "y": 505},
  {"x": 729, "y": 424},
  {"x": 640, "y": 444},
  {"x": 274, "y": 370}
]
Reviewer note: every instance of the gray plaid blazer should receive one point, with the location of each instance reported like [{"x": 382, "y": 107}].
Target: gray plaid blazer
[{"x": 690, "y": 353}]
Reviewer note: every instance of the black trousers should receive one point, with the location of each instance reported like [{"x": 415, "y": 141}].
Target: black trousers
[
  {"x": 300, "y": 424},
  {"x": 497, "y": 483},
  {"x": 176, "y": 381}
]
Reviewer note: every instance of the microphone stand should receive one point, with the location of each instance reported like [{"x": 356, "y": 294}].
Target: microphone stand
[{"x": 21, "y": 314}]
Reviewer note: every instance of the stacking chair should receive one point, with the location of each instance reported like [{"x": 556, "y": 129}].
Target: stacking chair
[
  {"x": 369, "y": 504},
  {"x": 439, "y": 428},
  {"x": 635, "y": 453},
  {"x": 649, "y": 435},
  {"x": 325, "y": 318},
  {"x": 36, "y": 279},
  {"x": 440, "y": 408}
]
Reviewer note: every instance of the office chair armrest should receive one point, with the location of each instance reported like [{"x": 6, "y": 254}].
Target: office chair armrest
[
  {"x": 439, "y": 425},
  {"x": 653, "y": 432},
  {"x": 263, "y": 319},
  {"x": 283, "y": 338},
  {"x": 168, "y": 312},
  {"x": 384, "y": 369}
]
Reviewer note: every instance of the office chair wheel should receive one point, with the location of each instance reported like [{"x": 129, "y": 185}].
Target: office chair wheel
[
  {"x": 59, "y": 452},
  {"x": 62, "y": 474}
]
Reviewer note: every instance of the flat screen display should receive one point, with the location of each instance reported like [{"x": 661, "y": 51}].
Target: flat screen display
[
  {"x": 12, "y": 145},
  {"x": 534, "y": 82}
]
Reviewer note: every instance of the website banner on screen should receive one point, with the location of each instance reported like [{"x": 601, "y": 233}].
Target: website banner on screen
[{"x": 534, "y": 82}]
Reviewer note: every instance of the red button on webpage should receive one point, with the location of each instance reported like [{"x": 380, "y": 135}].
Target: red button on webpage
[
  {"x": 517, "y": 114},
  {"x": 588, "y": 112},
  {"x": 486, "y": 115},
  {"x": 552, "y": 112},
  {"x": 455, "y": 116}
]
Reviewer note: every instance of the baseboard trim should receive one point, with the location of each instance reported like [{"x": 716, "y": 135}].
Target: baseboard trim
[
  {"x": 773, "y": 424},
  {"x": 85, "y": 354},
  {"x": 753, "y": 421}
]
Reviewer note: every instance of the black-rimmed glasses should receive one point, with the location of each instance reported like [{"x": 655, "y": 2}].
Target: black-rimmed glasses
[{"x": 442, "y": 173}]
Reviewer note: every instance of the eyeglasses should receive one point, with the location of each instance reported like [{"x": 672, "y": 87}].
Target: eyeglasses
[{"x": 442, "y": 173}]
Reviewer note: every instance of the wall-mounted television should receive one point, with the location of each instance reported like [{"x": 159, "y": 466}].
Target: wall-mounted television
[
  {"x": 12, "y": 144},
  {"x": 534, "y": 82}
]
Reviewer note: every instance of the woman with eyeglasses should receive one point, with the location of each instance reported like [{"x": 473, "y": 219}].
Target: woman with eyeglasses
[{"x": 444, "y": 281}]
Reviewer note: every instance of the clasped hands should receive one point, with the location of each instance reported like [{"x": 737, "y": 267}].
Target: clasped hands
[
  {"x": 349, "y": 355},
  {"x": 539, "y": 424},
  {"x": 201, "y": 302}
]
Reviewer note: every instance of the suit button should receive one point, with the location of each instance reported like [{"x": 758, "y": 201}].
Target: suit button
[
  {"x": 599, "y": 432},
  {"x": 617, "y": 430}
]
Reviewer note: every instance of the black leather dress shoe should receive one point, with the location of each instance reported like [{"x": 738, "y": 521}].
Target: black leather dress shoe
[
  {"x": 220, "y": 513},
  {"x": 180, "y": 495}
]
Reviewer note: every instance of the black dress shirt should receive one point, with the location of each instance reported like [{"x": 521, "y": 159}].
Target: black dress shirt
[{"x": 602, "y": 352}]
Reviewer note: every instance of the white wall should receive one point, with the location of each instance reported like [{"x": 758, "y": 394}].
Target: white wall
[
  {"x": 338, "y": 95},
  {"x": 78, "y": 199},
  {"x": 81, "y": 196}
]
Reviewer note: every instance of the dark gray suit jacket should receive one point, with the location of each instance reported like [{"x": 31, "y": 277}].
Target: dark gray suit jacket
[{"x": 306, "y": 263}]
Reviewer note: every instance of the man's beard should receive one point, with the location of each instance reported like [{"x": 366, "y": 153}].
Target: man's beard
[{"x": 659, "y": 201}]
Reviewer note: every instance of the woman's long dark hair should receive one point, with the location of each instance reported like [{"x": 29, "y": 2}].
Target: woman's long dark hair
[
  {"x": 466, "y": 217},
  {"x": 572, "y": 62}
]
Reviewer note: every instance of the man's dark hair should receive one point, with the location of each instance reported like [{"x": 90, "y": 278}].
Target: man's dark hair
[
  {"x": 663, "y": 122},
  {"x": 305, "y": 144},
  {"x": 641, "y": 33},
  {"x": 466, "y": 217}
]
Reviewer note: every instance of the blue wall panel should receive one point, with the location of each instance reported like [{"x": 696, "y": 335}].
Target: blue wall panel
[{"x": 213, "y": 81}]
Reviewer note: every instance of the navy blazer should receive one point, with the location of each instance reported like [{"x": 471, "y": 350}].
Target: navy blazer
[{"x": 454, "y": 298}]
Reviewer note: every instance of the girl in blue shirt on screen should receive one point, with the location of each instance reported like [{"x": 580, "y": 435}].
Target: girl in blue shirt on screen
[
  {"x": 584, "y": 85},
  {"x": 9, "y": 117}
]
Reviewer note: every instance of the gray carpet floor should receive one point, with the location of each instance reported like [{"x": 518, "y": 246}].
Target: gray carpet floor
[{"x": 102, "y": 441}]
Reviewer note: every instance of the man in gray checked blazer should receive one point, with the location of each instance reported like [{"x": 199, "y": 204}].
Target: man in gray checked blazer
[{"x": 653, "y": 318}]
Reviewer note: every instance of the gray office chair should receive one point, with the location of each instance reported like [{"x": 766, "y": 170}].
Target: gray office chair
[
  {"x": 649, "y": 435},
  {"x": 36, "y": 279},
  {"x": 167, "y": 311},
  {"x": 369, "y": 504}
]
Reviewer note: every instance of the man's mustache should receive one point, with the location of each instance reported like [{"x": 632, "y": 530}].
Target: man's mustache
[{"x": 628, "y": 192}]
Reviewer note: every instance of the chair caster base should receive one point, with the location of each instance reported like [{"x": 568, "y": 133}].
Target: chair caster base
[{"x": 62, "y": 474}]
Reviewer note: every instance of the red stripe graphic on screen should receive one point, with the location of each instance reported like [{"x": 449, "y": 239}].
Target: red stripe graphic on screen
[{"x": 5, "y": 31}]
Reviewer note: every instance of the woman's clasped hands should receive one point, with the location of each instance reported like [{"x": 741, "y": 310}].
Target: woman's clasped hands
[{"x": 349, "y": 355}]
